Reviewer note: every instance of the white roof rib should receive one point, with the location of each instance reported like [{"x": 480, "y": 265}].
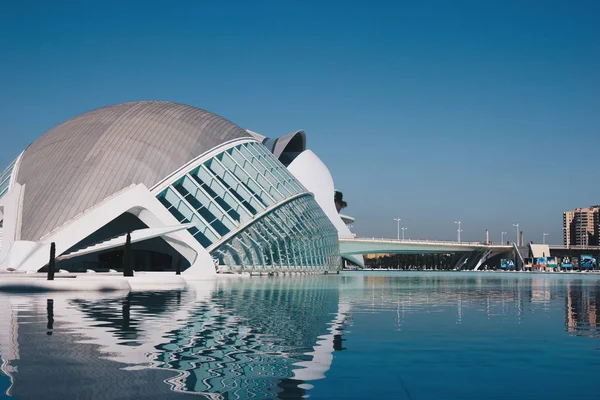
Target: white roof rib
[{"x": 136, "y": 236}]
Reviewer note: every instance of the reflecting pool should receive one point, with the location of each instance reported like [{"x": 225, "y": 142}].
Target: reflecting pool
[{"x": 397, "y": 335}]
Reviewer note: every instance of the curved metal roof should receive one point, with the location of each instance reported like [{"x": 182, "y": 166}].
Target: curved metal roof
[{"x": 94, "y": 155}]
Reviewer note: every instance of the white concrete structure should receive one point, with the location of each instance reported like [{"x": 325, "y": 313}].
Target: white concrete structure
[
  {"x": 192, "y": 326},
  {"x": 308, "y": 168},
  {"x": 191, "y": 187},
  {"x": 30, "y": 256},
  {"x": 315, "y": 176},
  {"x": 408, "y": 246},
  {"x": 474, "y": 254}
]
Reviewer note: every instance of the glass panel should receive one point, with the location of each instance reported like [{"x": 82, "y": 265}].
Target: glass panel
[
  {"x": 216, "y": 191},
  {"x": 204, "y": 206},
  {"x": 236, "y": 188},
  {"x": 278, "y": 170},
  {"x": 265, "y": 178},
  {"x": 237, "y": 184},
  {"x": 5, "y": 177},
  {"x": 242, "y": 176},
  {"x": 171, "y": 197},
  {"x": 297, "y": 235},
  {"x": 4, "y": 186},
  {"x": 202, "y": 238}
]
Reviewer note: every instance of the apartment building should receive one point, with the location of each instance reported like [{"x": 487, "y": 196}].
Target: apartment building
[{"x": 581, "y": 226}]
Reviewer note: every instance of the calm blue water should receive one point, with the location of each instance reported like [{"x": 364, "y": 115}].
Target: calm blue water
[{"x": 395, "y": 335}]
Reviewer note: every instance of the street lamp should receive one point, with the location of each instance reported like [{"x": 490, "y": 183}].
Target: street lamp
[
  {"x": 544, "y": 238},
  {"x": 502, "y": 237},
  {"x": 403, "y": 229},
  {"x": 398, "y": 219},
  {"x": 458, "y": 230},
  {"x": 517, "y": 225}
]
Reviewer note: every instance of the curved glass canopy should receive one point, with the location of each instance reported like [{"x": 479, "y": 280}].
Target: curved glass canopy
[{"x": 252, "y": 214}]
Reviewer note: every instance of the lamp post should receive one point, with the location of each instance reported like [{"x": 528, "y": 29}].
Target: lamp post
[
  {"x": 517, "y": 225},
  {"x": 458, "y": 230},
  {"x": 502, "y": 237},
  {"x": 403, "y": 229},
  {"x": 398, "y": 219},
  {"x": 544, "y": 238}
]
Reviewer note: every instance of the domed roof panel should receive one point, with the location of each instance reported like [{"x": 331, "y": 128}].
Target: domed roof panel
[{"x": 92, "y": 156}]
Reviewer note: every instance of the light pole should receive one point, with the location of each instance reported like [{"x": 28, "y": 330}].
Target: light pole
[
  {"x": 517, "y": 225},
  {"x": 502, "y": 237},
  {"x": 544, "y": 238},
  {"x": 403, "y": 229},
  {"x": 398, "y": 219},
  {"x": 458, "y": 230}
]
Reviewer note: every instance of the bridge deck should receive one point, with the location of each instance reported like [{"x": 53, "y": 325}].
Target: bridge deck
[{"x": 384, "y": 245}]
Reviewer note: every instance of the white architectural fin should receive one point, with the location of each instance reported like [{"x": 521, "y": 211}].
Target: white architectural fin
[{"x": 136, "y": 236}]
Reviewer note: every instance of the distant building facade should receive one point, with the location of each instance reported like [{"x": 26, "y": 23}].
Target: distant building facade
[{"x": 581, "y": 226}]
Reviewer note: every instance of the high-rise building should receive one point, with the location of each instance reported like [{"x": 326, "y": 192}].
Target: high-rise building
[
  {"x": 582, "y": 311},
  {"x": 580, "y": 226}
]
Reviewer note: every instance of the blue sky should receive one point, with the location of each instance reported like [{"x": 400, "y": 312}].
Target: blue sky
[{"x": 434, "y": 111}]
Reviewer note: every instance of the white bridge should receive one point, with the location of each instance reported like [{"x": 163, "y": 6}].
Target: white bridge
[
  {"x": 474, "y": 254},
  {"x": 408, "y": 246}
]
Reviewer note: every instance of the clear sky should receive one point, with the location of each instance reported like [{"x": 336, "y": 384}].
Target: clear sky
[{"x": 434, "y": 111}]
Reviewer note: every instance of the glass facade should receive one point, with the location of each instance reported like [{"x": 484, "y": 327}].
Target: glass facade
[
  {"x": 296, "y": 236},
  {"x": 5, "y": 178},
  {"x": 234, "y": 188}
]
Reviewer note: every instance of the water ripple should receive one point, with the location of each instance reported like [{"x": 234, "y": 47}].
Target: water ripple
[{"x": 345, "y": 336}]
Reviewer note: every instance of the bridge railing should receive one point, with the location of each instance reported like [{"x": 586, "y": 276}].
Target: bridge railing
[
  {"x": 560, "y": 247},
  {"x": 454, "y": 243},
  {"x": 421, "y": 241}
]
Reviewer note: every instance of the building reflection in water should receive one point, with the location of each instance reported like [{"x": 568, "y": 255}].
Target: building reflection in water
[
  {"x": 496, "y": 296},
  {"x": 261, "y": 338},
  {"x": 240, "y": 338},
  {"x": 581, "y": 305},
  {"x": 493, "y": 294}
]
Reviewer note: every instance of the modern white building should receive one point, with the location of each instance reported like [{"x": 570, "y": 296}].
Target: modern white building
[{"x": 194, "y": 190}]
